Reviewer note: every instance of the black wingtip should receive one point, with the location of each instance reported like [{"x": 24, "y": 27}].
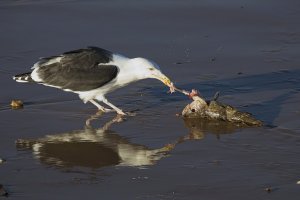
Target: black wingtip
[{"x": 23, "y": 78}]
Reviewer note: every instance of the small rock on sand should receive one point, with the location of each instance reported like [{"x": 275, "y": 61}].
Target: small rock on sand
[
  {"x": 268, "y": 189},
  {"x": 16, "y": 104},
  {"x": 2, "y": 160},
  {"x": 2, "y": 191}
]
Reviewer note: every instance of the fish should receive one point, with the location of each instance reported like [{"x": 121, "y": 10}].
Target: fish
[{"x": 215, "y": 110}]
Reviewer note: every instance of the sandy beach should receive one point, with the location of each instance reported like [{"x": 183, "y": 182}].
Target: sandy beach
[{"x": 247, "y": 50}]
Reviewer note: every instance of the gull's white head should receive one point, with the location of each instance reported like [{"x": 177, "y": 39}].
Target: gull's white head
[{"x": 145, "y": 68}]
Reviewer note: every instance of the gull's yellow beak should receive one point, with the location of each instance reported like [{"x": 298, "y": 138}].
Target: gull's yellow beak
[{"x": 165, "y": 80}]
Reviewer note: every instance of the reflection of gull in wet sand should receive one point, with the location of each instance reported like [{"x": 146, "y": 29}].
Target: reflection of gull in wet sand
[
  {"x": 96, "y": 148},
  {"x": 91, "y": 148}
]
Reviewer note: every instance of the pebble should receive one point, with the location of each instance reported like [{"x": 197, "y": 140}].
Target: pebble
[
  {"x": 2, "y": 160},
  {"x": 268, "y": 189},
  {"x": 271, "y": 189},
  {"x": 2, "y": 191},
  {"x": 16, "y": 104}
]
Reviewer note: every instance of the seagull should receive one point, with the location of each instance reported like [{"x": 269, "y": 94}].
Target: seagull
[{"x": 91, "y": 73}]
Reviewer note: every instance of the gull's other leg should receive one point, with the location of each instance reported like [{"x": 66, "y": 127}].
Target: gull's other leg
[
  {"x": 118, "y": 110},
  {"x": 99, "y": 106}
]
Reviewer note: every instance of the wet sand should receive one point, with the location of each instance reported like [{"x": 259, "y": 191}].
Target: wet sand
[{"x": 247, "y": 50}]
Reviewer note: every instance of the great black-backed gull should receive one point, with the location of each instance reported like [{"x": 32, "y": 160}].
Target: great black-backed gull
[{"x": 92, "y": 73}]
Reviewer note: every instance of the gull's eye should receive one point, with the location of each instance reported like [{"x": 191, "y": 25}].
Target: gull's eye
[{"x": 151, "y": 68}]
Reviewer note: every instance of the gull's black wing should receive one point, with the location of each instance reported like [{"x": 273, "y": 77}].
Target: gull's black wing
[{"x": 79, "y": 70}]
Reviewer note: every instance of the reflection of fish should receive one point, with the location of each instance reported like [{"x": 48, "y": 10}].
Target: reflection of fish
[
  {"x": 214, "y": 110},
  {"x": 92, "y": 148},
  {"x": 199, "y": 127}
]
